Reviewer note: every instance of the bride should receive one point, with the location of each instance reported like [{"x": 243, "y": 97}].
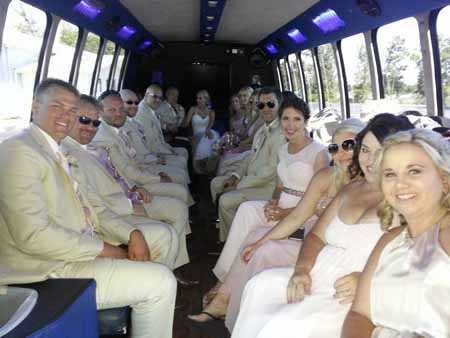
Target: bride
[{"x": 201, "y": 117}]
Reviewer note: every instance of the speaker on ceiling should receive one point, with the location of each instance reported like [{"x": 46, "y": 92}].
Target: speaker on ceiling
[
  {"x": 257, "y": 58},
  {"x": 369, "y": 7}
]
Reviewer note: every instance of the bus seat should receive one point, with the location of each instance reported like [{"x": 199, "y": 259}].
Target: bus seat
[{"x": 113, "y": 321}]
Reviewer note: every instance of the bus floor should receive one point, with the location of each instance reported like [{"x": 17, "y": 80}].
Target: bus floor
[{"x": 203, "y": 250}]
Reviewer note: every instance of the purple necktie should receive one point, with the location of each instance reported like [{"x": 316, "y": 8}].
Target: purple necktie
[{"x": 105, "y": 160}]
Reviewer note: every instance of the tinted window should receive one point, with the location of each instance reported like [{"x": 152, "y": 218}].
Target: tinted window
[
  {"x": 311, "y": 80},
  {"x": 87, "y": 64},
  {"x": 444, "y": 49},
  {"x": 329, "y": 73}
]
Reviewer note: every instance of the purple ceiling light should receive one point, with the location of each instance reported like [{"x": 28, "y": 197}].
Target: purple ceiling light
[
  {"x": 126, "y": 32},
  {"x": 145, "y": 44},
  {"x": 89, "y": 8},
  {"x": 328, "y": 21},
  {"x": 270, "y": 47},
  {"x": 296, "y": 36}
]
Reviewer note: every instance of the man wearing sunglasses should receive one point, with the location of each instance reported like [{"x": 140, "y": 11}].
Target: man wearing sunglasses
[
  {"x": 109, "y": 138},
  {"x": 48, "y": 230},
  {"x": 115, "y": 202},
  {"x": 254, "y": 178},
  {"x": 153, "y": 133}
]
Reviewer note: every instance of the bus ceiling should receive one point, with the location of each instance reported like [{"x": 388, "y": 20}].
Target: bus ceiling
[{"x": 278, "y": 27}]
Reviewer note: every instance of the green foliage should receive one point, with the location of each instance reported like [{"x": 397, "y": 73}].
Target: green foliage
[
  {"x": 329, "y": 73},
  {"x": 362, "y": 88},
  {"x": 444, "y": 48},
  {"x": 395, "y": 65}
]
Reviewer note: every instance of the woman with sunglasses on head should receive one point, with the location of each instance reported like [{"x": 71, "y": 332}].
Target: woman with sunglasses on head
[
  {"x": 404, "y": 290},
  {"x": 202, "y": 117},
  {"x": 300, "y": 155},
  {"x": 312, "y": 299}
]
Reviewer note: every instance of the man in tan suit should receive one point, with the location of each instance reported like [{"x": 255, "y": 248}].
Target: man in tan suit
[
  {"x": 136, "y": 132},
  {"x": 112, "y": 198},
  {"x": 109, "y": 139},
  {"x": 48, "y": 230},
  {"x": 147, "y": 117},
  {"x": 255, "y": 176}
]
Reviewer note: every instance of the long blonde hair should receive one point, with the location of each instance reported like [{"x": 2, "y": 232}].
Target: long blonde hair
[{"x": 433, "y": 144}]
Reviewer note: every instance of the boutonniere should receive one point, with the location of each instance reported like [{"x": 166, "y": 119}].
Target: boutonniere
[{"x": 72, "y": 161}]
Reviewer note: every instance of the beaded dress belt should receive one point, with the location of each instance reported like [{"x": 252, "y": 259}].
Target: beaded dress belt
[{"x": 293, "y": 192}]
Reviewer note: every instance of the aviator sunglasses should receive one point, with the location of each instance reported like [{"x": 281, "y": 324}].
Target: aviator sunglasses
[
  {"x": 269, "y": 104},
  {"x": 347, "y": 145},
  {"x": 87, "y": 120}
]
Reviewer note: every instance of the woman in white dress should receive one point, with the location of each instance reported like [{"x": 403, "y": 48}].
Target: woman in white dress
[
  {"x": 404, "y": 291},
  {"x": 312, "y": 299},
  {"x": 201, "y": 117},
  {"x": 300, "y": 155}
]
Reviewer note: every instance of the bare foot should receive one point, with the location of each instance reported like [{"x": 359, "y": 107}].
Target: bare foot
[
  {"x": 216, "y": 309},
  {"x": 209, "y": 296}
]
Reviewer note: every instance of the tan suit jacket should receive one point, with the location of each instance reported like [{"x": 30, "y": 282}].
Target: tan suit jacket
[
  {"x": 109, "y": 140},
  {"x": 103, "y": 192},
  {"x": 260, "y": 168},
  {"x": 42, "y": 218},
  {"x": 152, "y": 128}
]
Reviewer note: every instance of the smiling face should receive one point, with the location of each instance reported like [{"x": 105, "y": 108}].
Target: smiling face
[
  {"x": 153, "y": 97},
  {"x": 84, "y": 133},
  {"x": 293, "y": 124},
  {"x": 370, "y": 147},
  {"x": 113, "y": 111},
  {"x": 267, "y": 113},
  {"x": 55, "y": 112},
  {"x": 201, "y": 99},
  {"x": 130, "y": 102},
  {"x": 343, "y": 158},
  {"x": 410, "y": 181}
]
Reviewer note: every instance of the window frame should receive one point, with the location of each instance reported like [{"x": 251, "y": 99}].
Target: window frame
[{"x": 436, "y": 59}]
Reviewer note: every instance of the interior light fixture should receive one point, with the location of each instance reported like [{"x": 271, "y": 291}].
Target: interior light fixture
[
  {"x": 210, "y": 18},
  {"x": 126, "y": 32},
  {"x": 207, "y": 35},
  {"x": 145, "y": 44},
  {"x": 212, "y": 4},
  {"x": 271, "y": 48},
  {"x": 89, "y": 8},
  {"x": 296, "y": 36},
  {"x": 209, "y": 28},
  {"x": 328, "y": 21}
]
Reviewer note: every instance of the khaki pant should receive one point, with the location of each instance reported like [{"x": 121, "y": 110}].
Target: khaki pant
[
  {"x": 170, "y": 190},
  {"x": 148, "y": 287},
  {"x": 230, "y": 201},
  {"x": 175, "y": 213}
]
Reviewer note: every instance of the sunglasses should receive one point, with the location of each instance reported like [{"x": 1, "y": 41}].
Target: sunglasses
[
  {"x": 87, "y": 120},
  {"x": 132, "y": 102},
  {"x": 347, "y": 145},
  {"x": 269, "y": 104}
]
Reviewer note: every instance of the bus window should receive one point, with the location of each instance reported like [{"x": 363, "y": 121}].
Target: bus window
[
  {"x": 327, "y": 63},
  {"x": 357, "y": 71},
  {"x": 311, "y": 80},
  {"x": 284, "y": 75},
  {"x": 63, "y": 51},
  {"x": 401, "y": 64},
  {"x": 106, "y": 63},
  {"x": 19, "y": 56},
  {"x": 295, "y": 75},
  {"x": 116, "y": 77},
  {"x": 87, "y": 64},
  {"x": 444, "y": 49}
]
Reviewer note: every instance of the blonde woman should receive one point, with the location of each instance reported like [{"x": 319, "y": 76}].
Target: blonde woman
[
  {"x": 202, "y": 117},
  {"x": 404, "y": 291}
]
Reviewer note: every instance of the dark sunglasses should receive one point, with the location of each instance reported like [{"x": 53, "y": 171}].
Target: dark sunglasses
[
  {"x": 87, "y": 120},
  {"x": 347, "y": 145},
  {"x": 132, "y": 102},
  {"x": 269, "y": 104}
]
